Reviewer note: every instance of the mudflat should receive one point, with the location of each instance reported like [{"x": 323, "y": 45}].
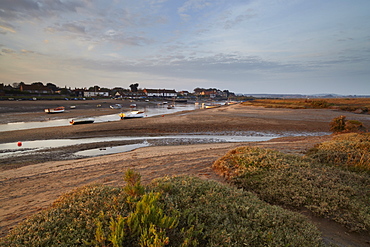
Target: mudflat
[{"x": 29, "y": 184}]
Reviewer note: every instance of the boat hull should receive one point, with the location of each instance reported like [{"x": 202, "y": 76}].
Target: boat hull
[
  {"x": 81, "y": 121},
  {"x": 133, "y": 114},
  {"x": 54, "y": 110}
]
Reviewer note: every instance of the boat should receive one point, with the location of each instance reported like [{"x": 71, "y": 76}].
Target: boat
[
  {"x": 209, "y": 106},
  {"x": 55, "y": 110},
  {"x": 81, "y": 121},
  {"x": 132, "y": 105},
  {"x": 132, "y": 114},
  {"x": 116, "y": 106},
  {"x": 170, "y": 106}
]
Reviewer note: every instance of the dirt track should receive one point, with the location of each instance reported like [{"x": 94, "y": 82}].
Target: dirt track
[{"x": 27, "y": 189}]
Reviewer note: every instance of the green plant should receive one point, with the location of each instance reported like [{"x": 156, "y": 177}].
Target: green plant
[
  {"x": 133, "y": 184},
  {"x": 147, "y": 224},
  {"x": 221, "y": 215}
]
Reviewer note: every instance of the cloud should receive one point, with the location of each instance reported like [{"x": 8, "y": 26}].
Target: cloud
[
  {"x": 8, "y": 51},
  {"x": 5, "y": 29},
  {"x": 22, "y": 8},
  {"x": 191, "y": 6},
  {"x": 24, "y": 51},
  {"x": 231, "y": 22},
  {"x": 71, "y": 27}
]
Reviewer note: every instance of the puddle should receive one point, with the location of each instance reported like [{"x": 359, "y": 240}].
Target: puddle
[{"x": 111, "y": 150}]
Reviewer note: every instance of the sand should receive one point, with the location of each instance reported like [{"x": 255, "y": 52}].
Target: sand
[{"x": 30, "y": 184}]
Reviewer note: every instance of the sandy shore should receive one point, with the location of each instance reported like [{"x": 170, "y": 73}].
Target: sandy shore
[{"x": 30, "y": 184}]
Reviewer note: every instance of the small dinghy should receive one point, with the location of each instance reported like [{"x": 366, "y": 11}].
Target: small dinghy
[
  {"x": 55, "y": 110},
  {"x": 81, "y": 121},
  {"x": 133, "y": 114}
]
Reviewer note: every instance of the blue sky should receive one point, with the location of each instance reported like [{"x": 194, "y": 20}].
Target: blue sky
[{"x": 245, "y": 46}]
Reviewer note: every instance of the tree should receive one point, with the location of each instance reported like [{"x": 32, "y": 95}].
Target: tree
[
  {"x": 134, "y": 87},
  {"x": 52, "y": 86}
]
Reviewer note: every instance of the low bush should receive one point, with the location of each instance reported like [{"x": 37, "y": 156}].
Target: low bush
[
  {"x": 181, "y": 211},
  {"x": 348, "y": 151},
  {"x": 224, "y": 216},
  {"x": 298, "y": 182},
  {"x": 341, "y": 125},
  {"x": 320, "y": 104}
]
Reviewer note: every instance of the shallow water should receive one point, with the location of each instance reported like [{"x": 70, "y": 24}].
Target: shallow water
[
  {"x": 150, "y": 111},
  {"x": 27, "y": 147}
]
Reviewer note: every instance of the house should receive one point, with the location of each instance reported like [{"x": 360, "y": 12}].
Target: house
[
  {"x": 35, "y": 88},
  {"x": 93, "y": 93},
  {"x": 184, "y": 93},
  {"x": 2, "y": 92},
  {"x": 79, "y": 92},
  {"x": 160, "y": 93}
]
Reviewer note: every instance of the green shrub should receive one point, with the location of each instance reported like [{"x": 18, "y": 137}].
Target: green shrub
[
  {"x": 293, "y": 181},
  {"x": 71, "y": 220},
  {"x": 224, "y": 216}
]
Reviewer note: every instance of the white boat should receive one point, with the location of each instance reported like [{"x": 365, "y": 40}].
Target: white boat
[
  {"x": 132, "y": 114},
  {"x": 81, "y": 121},
  {"x": 116, "y": 106},
  {"x": 208, "y": 106},
  {"x": 55, "y": 110}
]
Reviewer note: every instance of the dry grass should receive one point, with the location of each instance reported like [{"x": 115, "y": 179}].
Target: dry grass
[{"x": 347, "y": 104}]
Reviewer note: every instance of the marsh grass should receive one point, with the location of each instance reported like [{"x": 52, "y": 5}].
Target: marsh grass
[
  {"x": 207, "y": 214},
  {"x": 346, "y": 104},
  {"x": 293, "y": 181}
]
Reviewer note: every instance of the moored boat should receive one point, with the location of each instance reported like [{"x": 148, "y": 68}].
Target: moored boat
[
  {"x": 81, "y": 121},
  {"x": 132, "y": 114},
  {"x": 208, "y": 106},
  {"x": 116, "y": 106},
  {"x": 55, "y": 110}
]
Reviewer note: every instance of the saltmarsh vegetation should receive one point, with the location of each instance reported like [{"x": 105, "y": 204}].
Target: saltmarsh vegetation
[
  {"x": 182, "y": 211},
  {"x": 332, "y": 181},
  {"x": 359, "y": 105},
  {"x": 347, "y": 151}
]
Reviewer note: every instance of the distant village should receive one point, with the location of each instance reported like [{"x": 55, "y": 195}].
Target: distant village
[{"x": 50, "y": 90}]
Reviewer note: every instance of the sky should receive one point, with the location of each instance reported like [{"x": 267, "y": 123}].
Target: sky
[{"x": 244, "y": 46}]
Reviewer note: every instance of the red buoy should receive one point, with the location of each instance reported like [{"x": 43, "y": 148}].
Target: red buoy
[{"x": 19, "y": 144}]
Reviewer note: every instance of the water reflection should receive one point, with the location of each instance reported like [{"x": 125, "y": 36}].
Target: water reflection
[{"x": 111, "y": 150}]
